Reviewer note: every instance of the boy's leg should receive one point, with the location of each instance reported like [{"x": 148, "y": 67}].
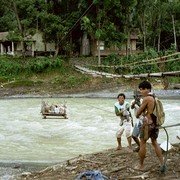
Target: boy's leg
[
  {"x": 128, "y": 131},
  {"x": 135, "y": 135},
  {"x": 118, "y": 136},
  {"x": 119, "y": 144},
  {"x": 157, "y": 150},
  {"x": 142, "y": 154},
  {"x": 129, "y": 139}
]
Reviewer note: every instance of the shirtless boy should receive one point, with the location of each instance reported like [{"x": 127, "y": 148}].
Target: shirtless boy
[{"x": 146, "y": 109}]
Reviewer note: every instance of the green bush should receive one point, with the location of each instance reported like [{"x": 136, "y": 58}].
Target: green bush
[
  {"x": 9, "y": 67},
  {"x": 111, "y": 59},
  {"x": 43, "y": 64},
  {"x": 137, "y": 64}
]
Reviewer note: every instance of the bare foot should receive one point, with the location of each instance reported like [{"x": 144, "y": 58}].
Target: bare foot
[
  {"x": 118, "y": 148},
  {"x": 129, "y": 149},
  {"x": 139, "y": 167},
  {"x": 136, "y": 149}
]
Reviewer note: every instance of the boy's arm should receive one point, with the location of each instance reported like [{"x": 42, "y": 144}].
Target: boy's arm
[
  {"x": 132, "y": 105},
  {"x": 117, "y": 112},
  {"x": 142, "y": 107}
]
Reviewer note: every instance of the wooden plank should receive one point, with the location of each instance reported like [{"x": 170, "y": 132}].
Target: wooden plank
[{"x": 54, "y": 115}]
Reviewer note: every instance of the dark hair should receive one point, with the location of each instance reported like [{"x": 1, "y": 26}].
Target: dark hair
[
  {"x": 121, "y": 94},
  {"x": 145, "y": 85}
]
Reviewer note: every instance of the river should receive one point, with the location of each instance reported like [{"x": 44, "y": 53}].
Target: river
[{"x": 91, "y": 126}]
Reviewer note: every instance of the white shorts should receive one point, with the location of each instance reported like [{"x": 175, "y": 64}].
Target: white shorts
[{"x": 127, "y": 127}]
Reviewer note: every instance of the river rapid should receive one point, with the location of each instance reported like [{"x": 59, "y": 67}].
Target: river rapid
[{"x": 91, "y": 127}]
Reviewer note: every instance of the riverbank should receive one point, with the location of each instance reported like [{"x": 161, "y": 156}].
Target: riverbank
[
  {"x": 110, "y": 92},
  {"x": 98, "y": 87},
  {"x": 111, "y": 163}
]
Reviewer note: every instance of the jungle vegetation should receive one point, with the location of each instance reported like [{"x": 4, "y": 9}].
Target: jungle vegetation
[{"x": 157, "y": 23}]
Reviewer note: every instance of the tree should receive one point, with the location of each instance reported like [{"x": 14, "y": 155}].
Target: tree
[
  {"x": 106, "y": 24},
  {"x": 112, "y": 21},
  {"x": 58, "y": 21},
  {"x": 21, "y": 15}
]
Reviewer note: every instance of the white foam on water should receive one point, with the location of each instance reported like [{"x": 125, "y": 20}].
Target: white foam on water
[
  {"x": 91, "y": 127},
  {"x": 2, "y": 137}
]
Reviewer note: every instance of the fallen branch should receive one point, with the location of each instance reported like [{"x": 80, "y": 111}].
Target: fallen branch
[
  {"x": 95, "y": 162},
  {"x": 117, "y": 169},
  {"x": 142, "y": 176}
]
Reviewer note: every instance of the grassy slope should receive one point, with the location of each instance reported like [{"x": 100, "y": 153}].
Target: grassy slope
[
  {"x": 54, "y": 82},
  {"x": 64, "y": 80}
]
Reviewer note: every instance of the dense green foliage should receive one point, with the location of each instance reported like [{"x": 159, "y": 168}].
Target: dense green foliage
[
  {"x": 56, "y": 73},
  {"x": 157, "y": 23},
  {"x": 138, "y": 63},
  {"x": 14, "y": 66},
  {"x": 36, "y": 71},
  {"x": 63, "y": 22}
]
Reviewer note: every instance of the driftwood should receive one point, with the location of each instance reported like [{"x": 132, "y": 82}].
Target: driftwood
[
  {"x": 116, "y": 169},
  {"x": 142, "y": 176}
]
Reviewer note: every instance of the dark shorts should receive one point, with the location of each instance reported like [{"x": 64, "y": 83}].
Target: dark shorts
[{"x": 153, "y": 130}]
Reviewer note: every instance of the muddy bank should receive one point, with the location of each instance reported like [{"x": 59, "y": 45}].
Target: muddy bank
[
  {"x": 10, "y": 169},
  {"x": 103, "y": 93},
  {"x": 163, "y": 94},
  {"x": 113, "y": 164}
]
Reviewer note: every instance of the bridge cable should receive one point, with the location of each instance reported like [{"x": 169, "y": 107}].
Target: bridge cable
[{"x": 164, "y": 167}]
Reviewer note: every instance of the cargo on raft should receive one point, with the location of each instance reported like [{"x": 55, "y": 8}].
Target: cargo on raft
[{"x": 55, "y": 110}]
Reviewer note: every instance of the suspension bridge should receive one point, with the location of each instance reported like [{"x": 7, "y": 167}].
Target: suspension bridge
[{"x": 159, "y": 61}]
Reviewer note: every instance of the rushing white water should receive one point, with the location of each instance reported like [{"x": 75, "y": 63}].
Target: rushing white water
[{"x": 91, "y": 127}]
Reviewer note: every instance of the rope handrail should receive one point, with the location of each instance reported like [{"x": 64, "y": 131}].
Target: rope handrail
[
  {"x": 158, "y": 58},
  {"x": 158, "y": 62},
  {"x": 163, "y": 168},
  {"x": 134, "y": 63},
  {"x": 172, "y": 125}
]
